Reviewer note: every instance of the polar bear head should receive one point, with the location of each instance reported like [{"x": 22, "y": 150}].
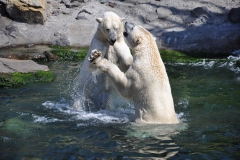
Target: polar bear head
[
  {"x": 136, "y": 35},
  {"x": 111, "y": 27}
]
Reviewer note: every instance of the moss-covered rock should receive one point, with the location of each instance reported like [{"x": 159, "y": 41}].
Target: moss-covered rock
[{"x": 16, "y": 79}]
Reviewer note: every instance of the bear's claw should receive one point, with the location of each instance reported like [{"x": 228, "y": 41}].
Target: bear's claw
[{"x": 94, "y": 55}]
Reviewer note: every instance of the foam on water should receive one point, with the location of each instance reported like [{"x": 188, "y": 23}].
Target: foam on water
[
  {"x": 44, "y": 119},
  {"x": 115, "y": 116},
  {"x": 83, "y": 117},
  {"x": 229, "y": 63}
]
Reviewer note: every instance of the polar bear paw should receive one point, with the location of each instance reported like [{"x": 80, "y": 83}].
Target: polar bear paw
[{"x": 94, "y": 55}]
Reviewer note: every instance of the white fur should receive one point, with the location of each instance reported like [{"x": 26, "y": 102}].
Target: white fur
[
  {"x": 94, "y": 92},
  {"x": 145, "y": 82}
]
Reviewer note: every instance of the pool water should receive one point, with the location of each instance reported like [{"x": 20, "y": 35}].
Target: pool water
[{"x": 37, "y": 120}]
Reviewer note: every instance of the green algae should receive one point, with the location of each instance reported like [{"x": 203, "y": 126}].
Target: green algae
[
  {"x": 69, "y": 53},
  {"x": 171, "y": 56},
  {"x": 16, "y": 79}
]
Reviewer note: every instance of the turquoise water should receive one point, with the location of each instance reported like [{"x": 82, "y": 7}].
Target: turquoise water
[{"x": 37, "y": 121}]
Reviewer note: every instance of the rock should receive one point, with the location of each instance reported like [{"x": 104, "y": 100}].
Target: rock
[
  {"x": 82, "y": 14},
  {"x": 111, "y": 4},
  {"x": 56, "y": 12},
  {"x": 62, "y": 40},
  {"x": 3, "y": 11},
  {"x": 29, "y": 11},
  {"x": 82, "y": 1},
  {"x": 73, "y": 4},
  {"x": 29, "y": 45},
  {"x": 50, "y": 56},
  {"x": 103, "y": 1},
  {"x": 200, "y": 12},
  {"x": 163, "y": 13},
  {"x": 22, "y": 66},
  {"x": 3, "y": 1},
  {"x": 3, "y": 38},
  {"x": 151, "y": 17},
  {"x": 12, "y": 31},
  {"x": 234, "y": 15}
]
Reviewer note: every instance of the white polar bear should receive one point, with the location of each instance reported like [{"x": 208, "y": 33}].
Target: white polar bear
[
  {"x": 92, "y": 92},
  {"x": 145, "y": 82}
]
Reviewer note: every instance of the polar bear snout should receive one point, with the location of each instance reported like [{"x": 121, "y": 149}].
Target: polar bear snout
[
  {"x": 128, "y": 27},
  {"x": 112, "y": 41},
  {"x": 112, "y": 37}
]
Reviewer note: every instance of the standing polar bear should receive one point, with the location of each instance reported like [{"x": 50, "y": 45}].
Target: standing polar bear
[
  {"x": 93, "y": 91},
  {"x": 145, "y": 82}
]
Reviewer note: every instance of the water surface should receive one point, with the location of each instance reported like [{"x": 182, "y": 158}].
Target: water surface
[{"x": 37, "y": 121}]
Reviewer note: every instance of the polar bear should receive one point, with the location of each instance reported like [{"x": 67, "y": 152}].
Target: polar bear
[
  {"x": 92, "y": 90},
  {"x": 145, "y": 82}
]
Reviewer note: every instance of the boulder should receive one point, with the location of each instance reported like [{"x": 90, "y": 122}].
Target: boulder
[
  {"x": 163, "y": 13},
  {"x": 29, "y": 11},
  {"x": 234, "y": 15},
  {"x": 22, "y": 66},
  {"x": 151, "y": 17},
  {"x": 200, "y": 12}
]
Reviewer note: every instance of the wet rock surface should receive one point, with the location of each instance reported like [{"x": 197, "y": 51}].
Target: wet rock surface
[
  {"x": 22, "y": 66},
  {"x": 193, "y": 26}
]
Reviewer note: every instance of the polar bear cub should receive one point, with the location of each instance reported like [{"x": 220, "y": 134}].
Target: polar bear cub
[
  {"x": 93, "y": 91},
  {"x": 145, "y": 82}
]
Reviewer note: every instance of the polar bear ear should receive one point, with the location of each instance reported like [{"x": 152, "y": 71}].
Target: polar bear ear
[{"x": 99, "y": 20}]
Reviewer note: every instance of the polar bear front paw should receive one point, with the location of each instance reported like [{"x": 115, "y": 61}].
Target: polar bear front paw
[{"x": 94, "y": 55}]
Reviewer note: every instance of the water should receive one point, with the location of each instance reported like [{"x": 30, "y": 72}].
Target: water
[{"x": 37, "y": 121}]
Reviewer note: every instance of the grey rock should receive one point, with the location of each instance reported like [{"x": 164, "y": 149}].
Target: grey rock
[
  {"x": 29, "y": 45},
  {"x": 56, "y": 12},
  {"x": 61, "y": 40},
  {"x": 3, "y": 1},
  {"x": 151, "y": 17},
  {"x": 111, "y": 4},
  {"x": 50, "y": 56},
  {"x": 163, "y": 13},
  {"x": 3, "y": 38},
  {"x": 73, "y": 4},
  {"x": 200, "y": 12},
  {"x": 22, "y": 66},
  {"x": 234, "y": 15},
  {"x": 103, "y": 1},
  {"x": 82, "y": 14},
  {"x": 82, "y": 1},
  {"x": 12, "y": 31}
]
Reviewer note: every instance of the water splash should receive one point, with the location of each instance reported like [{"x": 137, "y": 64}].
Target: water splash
[{"x": 118, "y": 115}]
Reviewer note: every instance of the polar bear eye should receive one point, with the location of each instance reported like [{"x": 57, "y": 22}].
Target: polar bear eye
[{"x": 107, "y": 29}]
